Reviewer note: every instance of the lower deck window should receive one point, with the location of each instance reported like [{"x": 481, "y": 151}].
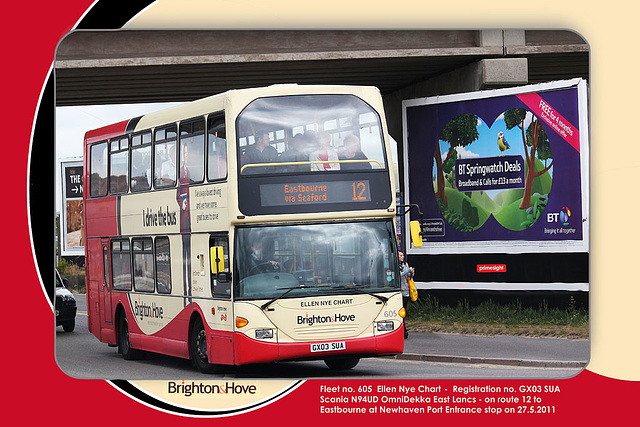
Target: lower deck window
[
  {"x": 143, "y": 265},
  {"x": 163, "y": 265},
  {"x": 121, "y": 265}
]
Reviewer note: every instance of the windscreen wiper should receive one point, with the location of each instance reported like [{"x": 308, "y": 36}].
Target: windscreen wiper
[
  {"x": 359, "y": 289},
  {"x": 292, "y": 288}
]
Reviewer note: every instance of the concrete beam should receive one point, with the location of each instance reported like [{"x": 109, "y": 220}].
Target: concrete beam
[
  {"x": 501, "y": 72},
  {"x": 490, "y": 38},
  {"x": 513, "y": 38},
  {"x": 274, "y": 57},
  {"x": 99, "y": 49}
]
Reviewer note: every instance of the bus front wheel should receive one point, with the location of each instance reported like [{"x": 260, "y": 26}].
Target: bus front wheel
[
  {"x": 342, "y": 364},
  {"x": 198, "y": 348}
]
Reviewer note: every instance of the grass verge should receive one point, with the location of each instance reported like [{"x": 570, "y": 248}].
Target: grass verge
[{"x": 492, "y": 318}]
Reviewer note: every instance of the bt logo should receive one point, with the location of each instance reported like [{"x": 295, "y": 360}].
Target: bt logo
[{"x": 562, "y": 216}]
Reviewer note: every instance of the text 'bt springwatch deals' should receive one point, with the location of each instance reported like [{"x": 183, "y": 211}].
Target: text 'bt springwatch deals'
[{"x": 452, "y": 399}]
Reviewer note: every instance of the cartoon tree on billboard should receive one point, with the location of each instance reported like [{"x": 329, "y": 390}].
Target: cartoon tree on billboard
[
  {"x": 460, "y": 131},
  {"x": 535, "y": 144}
]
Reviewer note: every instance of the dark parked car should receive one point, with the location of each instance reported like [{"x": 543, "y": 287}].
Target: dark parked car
[{"x": 65, "y": 305}]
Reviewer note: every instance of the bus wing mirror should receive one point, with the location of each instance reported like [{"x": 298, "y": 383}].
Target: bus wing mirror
[
  {"x": 416, "y": 233},
  {"x": 217, "y": 259}
]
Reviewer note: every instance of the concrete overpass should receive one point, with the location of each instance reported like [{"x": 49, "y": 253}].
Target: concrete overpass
[{"x": 132, "y": 66}]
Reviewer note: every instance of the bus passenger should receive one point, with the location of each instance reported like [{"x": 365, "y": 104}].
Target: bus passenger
[
  {"x": 140, "y": 171},
  {"x": 293, "y": 153},
  {"x": 308, "y": 144},
  {"x": 168, "y": 168},
  {"x": 324, "y": 153},
  {"x": 260, "y": 152},
  {"x": 352, "y": 152}
]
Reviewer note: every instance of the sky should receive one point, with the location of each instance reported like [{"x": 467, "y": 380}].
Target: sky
[{"x": 73, "y": 122}]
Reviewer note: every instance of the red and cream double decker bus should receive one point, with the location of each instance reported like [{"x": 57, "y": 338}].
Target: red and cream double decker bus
[{"x": 252, "y": 226}]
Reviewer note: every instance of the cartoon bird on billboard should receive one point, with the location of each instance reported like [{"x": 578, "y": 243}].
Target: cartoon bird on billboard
[{"x": 502, "y": 142}]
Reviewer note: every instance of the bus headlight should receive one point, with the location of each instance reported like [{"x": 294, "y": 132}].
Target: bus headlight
[
  {"x": 385, "y": 326},
  {"x": 264, "y": 334}
]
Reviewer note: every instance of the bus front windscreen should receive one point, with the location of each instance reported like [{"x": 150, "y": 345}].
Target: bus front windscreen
[
  {"x": 315, "y": 259},
  {"x": 309, "y": 133}
]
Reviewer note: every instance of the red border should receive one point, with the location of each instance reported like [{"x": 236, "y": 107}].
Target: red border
[{"x": 39, "y": 391}]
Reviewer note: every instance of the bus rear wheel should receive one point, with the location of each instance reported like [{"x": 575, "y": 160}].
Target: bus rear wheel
[
  {"x": 342, "y": 364},
  {"x": 198, "y": 348},
  {"x": 124, "y": 345}
]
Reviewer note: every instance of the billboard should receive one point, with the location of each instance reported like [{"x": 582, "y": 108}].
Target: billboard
[
  {"x": 71, "y": 224},
  {"x": 501, "y": 172}
]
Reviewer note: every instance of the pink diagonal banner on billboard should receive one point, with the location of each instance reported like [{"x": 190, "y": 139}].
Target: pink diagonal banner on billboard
[{"x": 550, "y": 116}]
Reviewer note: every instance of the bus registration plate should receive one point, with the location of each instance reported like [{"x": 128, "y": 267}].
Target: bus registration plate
[{"x": 328, "y": 346}]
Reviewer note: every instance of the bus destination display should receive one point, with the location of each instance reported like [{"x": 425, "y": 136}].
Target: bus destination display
[{"x": 314, "y": 193}]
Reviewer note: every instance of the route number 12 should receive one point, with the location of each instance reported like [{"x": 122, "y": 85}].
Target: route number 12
[{"x": 358, "y": 190}]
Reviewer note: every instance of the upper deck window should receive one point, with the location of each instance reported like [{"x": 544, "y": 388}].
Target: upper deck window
[
  {"x": 165, "y": 156},
  {"x": 192, "y": 151},
  {"x": 216, "y": 148},
  {"x": 141, "y": 161},
  {"x": 98, "y": 165},
  {"x": 119, "y": 164},
  {"x": 309, "y": 133}
]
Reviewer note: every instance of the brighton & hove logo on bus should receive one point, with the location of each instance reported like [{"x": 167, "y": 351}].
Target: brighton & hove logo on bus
[
  {"x": 338, "y": 317},
  {"x": 143, "y": 310}
]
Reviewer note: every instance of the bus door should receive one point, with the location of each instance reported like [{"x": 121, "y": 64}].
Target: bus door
[
  {"x": 220, "y": 271},
  {"x": 105, "y": 288},
  {"x": 222, "y": 319}
]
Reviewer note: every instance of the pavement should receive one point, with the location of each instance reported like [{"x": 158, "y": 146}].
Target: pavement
[{"x": 496, "y": 350}]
